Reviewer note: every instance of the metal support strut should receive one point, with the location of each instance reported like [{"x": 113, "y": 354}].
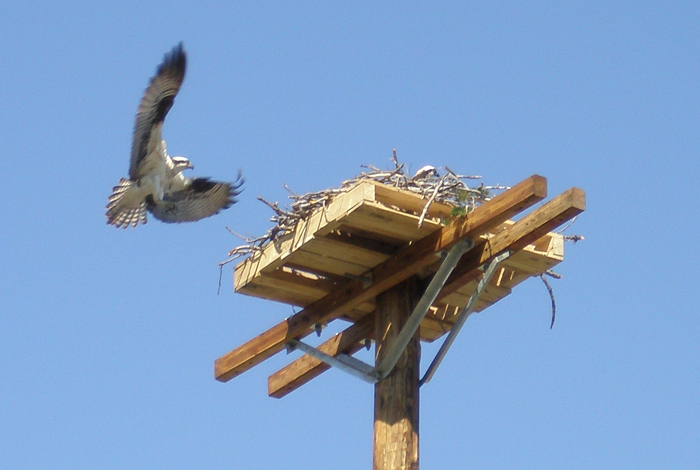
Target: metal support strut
[
  {"x": 343, "y": 362},
  {"x": 463, "y": 315},
  {"x": 375, "y": 374}
]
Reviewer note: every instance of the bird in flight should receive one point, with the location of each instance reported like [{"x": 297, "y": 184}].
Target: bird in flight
[{"x": 156, "y": 183}]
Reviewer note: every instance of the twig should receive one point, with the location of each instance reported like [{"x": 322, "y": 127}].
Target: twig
[
  {"x": 290, "y": 191},
  {"x": 551, "y": 273},
  {"x": 467, "y": 177},
  {"x": 221, "y": 274},
  {"x": 245, "y": 239},
  {"x": 371, "y": 167},
  {"x": 394, "y": 159},
  {"x": 275, "y": 207},
  {"x": 571, "y": 222},
  {"x": 551, "y": 296},
  {"x": 430, "y": 201}
]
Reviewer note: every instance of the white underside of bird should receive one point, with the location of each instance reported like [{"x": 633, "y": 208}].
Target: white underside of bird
[{"x": 162, "y": 176}]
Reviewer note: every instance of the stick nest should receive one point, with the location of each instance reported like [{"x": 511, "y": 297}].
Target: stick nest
[{"x": 450, "y": 188}]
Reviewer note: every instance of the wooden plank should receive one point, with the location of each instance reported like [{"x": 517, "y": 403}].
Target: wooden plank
[
  {"x": 406, "y": 262},
  {"x": 491, "y": 294},
  {"x": 291, "y": 285},
  {"x": 511, "y": 278},
  {"x": 364, "y": 240},
  {"x": 318, "y": 272},
  {"x": 320, "y": 222},
  {"x": 373, "y": 217},
  {"x": 310, "y": 260},
  {"x": 345, "y": 252},
  {"x": 531, "y": 263},
  {"x": 307, "y": 368},
  {"x": 285, "y": 297},
  {"x": 409, "y": 201},
  {"x": 304, "y": 279},
  {"x": 377, "y": 237}
]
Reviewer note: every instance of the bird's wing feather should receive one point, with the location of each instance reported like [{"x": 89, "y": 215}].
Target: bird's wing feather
[
  {"x": 155, "y": 104},
  {"x": 202, "y": 198},
  {"x": 126, "y": 205}
]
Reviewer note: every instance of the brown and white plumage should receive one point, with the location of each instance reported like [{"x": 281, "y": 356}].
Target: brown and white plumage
[{"x": 156, "y": 183}]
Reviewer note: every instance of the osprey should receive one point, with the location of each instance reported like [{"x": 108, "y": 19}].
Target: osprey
[
  {"x": 424, "y": 173},
  {"x": 156, "y": 182}
]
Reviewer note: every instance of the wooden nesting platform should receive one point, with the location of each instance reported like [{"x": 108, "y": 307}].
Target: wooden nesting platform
[
  {"x": 361, "y": 229},
  {"x": 367, "y": 240}
]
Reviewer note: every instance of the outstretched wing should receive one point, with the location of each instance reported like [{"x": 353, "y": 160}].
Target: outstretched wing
[
  {"x": 155, "y": 104},
  {"x": 202, "y": 198}
]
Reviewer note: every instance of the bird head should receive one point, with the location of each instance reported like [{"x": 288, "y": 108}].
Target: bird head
[
  {"x": 181, "y": 164},
  {"x": 428, "y": 171}
]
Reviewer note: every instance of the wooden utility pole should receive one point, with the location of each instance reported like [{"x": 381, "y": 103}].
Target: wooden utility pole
[{"x": 396, "y": 398}]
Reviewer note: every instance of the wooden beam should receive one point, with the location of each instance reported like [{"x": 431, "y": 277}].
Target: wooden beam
[
  {"x": 406, "y": 262},
  {"x": 306, "y": 368},
  {"x": 527, "y": 230}
]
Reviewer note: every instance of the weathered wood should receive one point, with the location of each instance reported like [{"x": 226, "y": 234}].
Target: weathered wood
[
  {"x": 307, "y": 368},
  {"x": 405, "y": 263},
  {"x": 396, "y": 398},
  {"x": 529, "y": 229}
]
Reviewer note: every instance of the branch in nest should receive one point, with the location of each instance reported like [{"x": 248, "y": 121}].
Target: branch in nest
[
  {"x": 459, "y": 177},
  {"x": 293, "y": 194},
  {"x": 248, "y": 240},
  {"x": 372, "y": 167},
  {"x": 496, "y": 187},
  {"x": 234, "y": 254},
  {"x": 275, "y": 207},
  {"x": 239, "y": 251},
  {"x": 430, "y": 201}
]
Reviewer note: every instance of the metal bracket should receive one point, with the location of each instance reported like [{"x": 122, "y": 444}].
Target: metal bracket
[
  {"x": 429, "y": 296},
  {"x": 463, "y": 315},
  {"x": 343, "y": 362},
  {"x": 374, "y": 374}
]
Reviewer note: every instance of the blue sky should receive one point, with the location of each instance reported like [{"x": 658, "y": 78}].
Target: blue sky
[{"x": 108, "y": 337}]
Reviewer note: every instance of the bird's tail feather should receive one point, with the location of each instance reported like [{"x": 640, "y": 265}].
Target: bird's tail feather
[{"x": 125, "y": 207}]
